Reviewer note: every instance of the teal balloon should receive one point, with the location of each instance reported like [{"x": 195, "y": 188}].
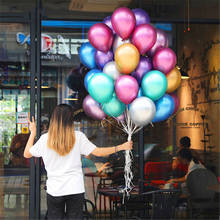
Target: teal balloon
[
  {"x": 164, "y": 108},
  {"x": 101, "y": 87},
  {"x": 89, "y": 76},
  {"x": 154, "y": 85},
  {"x": 87, "y": 55},
  {"x": 114, "y": 107}
]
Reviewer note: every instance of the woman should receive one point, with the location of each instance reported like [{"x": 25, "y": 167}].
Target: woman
[
  {"x": 61, "y": 149},
  {"x": 185, "y": 157}
]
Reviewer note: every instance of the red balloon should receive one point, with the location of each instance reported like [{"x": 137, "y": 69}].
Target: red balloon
[
  {"x": 176, "y": 101},
  {"x": 101, "y": 37},
  {"x": 164, "y": 60},
  {"x": 123, "y": 22},
  {"x": 144, "y": 37}
]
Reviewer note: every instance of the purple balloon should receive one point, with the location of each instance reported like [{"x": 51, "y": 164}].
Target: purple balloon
[
  {"x": 92, "y": 108},
  {"x": 102, "y": 58},
  {"x": 144, "y": 66},
  {"x": 108, "y": 22},
  {"x": 100, "y": 36},
  {"x": 120, "y": 117},
  {"x": 164, "y": 60},
  {"x": 141, "y": 16},
  {"x": 126, "y": 88},
  {"x": 162, "y": 41}
]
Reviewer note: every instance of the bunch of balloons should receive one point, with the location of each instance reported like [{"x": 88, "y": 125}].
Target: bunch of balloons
[{"x": 133, "y": 72}]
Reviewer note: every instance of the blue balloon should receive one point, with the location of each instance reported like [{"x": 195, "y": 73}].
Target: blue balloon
[
  {"x": 101, "y": 87},
  {"x": 164, "y": 108},
  {"x": 140, "y": 93},
  {"x": 87, "y": 55},
  {"x": 89, "y": 76},
  {"x": 114, "y": 107}
]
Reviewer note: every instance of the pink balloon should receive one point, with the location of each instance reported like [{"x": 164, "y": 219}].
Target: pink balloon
[
  {"x": 92, "y": 108},
  {"x": 101, "y": 37},
  {"x": 144, "y": 37},
  {"x": 176, "y": 101},
  {"x": 120, "y": 117},
  {"x": 126, "y": 88},
  {"x": 123, "y": 22},
  {"x": 164, "y": 60},
  {"x": 162, "y": 41}
]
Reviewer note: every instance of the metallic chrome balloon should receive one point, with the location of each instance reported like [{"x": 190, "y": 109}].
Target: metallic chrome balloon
[
  {"x": 114, "y": 107},
  {"x": 100, "y": 36},
  {"x": 176, "y": 101},
  {"x": 123, "y": 22},
  {"x": 93, "y": 108},
  {"x": 144, "y": 66},
  {"x": 126, "y": 88},
  {"x": 162, "y": 41},
  {"x": 111, "y": 70},
  {"x": 144, "y": 37},
  {"x": 154, "y": 84},
  {"x": 89, "y": 76},
  {"x": 141, "y": 16},
  {"x": 164, "y": 60},
  {"x": 108, "y": 22},
  {"x": 101, "y": 87},
  {"x": 142, "y": 111},
  {"x": 102, "y": 58},
  {"x": 165, "y": 107},
  {"x": 87, "y": 55},
  {"x": 118, "y": 42}
]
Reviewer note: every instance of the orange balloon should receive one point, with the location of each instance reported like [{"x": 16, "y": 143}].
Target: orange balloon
[
  {"x": 173, "y": 80},
  {"x": 127, "y": 58}
]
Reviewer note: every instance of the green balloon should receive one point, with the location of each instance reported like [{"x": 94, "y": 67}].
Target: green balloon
[
  {"x": 114, "y": 107},
  {"x": 101, "y": 87},
  {"x": 154, "y": 85}
]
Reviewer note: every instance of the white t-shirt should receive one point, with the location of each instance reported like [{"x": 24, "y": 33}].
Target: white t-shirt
[
  {"x": 65, "y": 176},
  {"x": 194, "y": 166}
]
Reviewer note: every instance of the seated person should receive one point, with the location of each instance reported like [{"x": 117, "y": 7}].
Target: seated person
[
  {"x": 180, "y": 169},
  {"x": 185, "y": 157}
]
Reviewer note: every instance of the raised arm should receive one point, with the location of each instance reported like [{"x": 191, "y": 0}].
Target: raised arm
[
  {"x": 30, "y": 143},
  {"x": 105, "y": 151}
]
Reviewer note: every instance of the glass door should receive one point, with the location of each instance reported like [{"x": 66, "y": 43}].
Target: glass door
[{"x": 14, "y": 111}]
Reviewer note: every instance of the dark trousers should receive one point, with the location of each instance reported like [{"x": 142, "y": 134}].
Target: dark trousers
[{"x": 70, "y": 207}]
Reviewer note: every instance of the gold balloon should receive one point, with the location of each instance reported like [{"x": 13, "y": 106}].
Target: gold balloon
[
  {"x": 173, "y": 80},
  {"x": 127, "y": 58}
]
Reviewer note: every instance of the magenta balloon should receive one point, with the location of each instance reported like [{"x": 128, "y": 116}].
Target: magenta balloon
[
  {"x": 123, "y": 22},
  {"x": 176, "y": 101},
  {"x": 92, "y": 108},
  {"x": 162, "y": 41},
  {"x": 126, "y": 88},
  {"x": 101, "y": 37},
  {"x": 164, "y": 60},
  {"x": 144, "y": 37},
  {"x": 108, "y": 22},
  {"x": 144, "y": 66},
  {"x": 102, "y": 58},
  {"x": 141, "y": 16}
]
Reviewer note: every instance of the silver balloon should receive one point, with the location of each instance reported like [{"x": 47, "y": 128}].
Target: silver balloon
[
  {"x": 142, "y": 111},
  {"x": 111, "y": 70},
  {"x": 118, "y": 42}
]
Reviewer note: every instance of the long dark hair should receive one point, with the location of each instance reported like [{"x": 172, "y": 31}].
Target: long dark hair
[{"x": 186, "y": 153}]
